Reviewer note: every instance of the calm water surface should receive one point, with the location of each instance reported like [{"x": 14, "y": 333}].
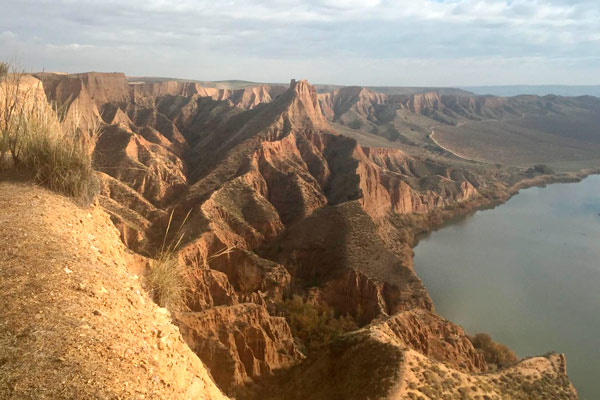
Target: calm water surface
[{"x": 528, "y": 273}]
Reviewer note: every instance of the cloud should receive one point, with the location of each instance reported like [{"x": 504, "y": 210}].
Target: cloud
[
  {"x": 70, "y": 46},
  {"x": 6, "y": 35},
  {"x": 363, "y": 40},
  {"x": 350, "y": 4}
]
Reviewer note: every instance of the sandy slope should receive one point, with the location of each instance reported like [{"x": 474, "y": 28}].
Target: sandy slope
[{"x": 74, "y": 320}]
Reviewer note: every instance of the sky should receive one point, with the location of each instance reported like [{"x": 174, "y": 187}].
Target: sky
[{"x": 360, "y": 42}]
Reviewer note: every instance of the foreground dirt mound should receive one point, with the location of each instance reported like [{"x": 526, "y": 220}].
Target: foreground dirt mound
[{"x": 75, "y": 322}]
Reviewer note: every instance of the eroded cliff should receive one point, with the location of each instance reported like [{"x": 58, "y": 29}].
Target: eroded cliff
[{"x": 274, "y": 203}]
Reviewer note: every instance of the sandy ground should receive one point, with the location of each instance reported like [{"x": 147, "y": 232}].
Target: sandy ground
[{"x": 75, "y": 322}]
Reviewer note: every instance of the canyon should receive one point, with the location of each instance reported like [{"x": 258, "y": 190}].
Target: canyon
[{"x": 286, "y": 194}]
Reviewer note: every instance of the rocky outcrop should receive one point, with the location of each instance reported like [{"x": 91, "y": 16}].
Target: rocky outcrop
[
  {"x": 361, "y": 101},
  {"x": 146, "y": 93},
  {"x": 253, "y": 276},
  {"x": 93, "y": 87},
  {"x": 130, "y": 212},
  {"x": 387, "y": 190},
  {"x": 239, "y": 343},
  {"x": 80, "y": 96},
  {"x": 146, "y": 167},
  {"x": 434, "y": 337},
  {"x": 368, "y": 110},
  {"x": 338, "y": 250},
  {"x": 415, "y": 354},
  {"x": 283, "y": 167}
]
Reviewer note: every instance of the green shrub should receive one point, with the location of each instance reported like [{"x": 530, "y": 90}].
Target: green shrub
[
  {"x": 540, "y": 169},
  {"x": 355, "y": 124},
  {"x": 314, "y": 325},
  {"x": 495, "y": 353}
]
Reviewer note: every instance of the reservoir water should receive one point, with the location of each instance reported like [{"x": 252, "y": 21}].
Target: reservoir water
[{"x": 528, "y": 273}]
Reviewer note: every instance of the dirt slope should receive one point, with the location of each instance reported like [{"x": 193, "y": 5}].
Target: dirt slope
[
  {"x": 75, "y": 322},
  {"x": 406, "y": 357}
]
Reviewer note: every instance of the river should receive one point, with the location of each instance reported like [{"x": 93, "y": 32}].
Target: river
[{"x": 528, "y": 273}]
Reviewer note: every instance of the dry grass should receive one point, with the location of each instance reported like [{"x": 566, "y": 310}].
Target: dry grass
[
  {"x": 166, "y": 280},
  {"x": 33, "y": 137}
]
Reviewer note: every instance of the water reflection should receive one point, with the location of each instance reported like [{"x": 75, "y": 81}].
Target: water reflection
[{"x": 528, "y": 272}]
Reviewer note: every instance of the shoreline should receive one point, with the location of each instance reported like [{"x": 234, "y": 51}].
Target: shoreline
[
  {"x": 536, "y": 182},
  {"x": 470, "y": 207}
]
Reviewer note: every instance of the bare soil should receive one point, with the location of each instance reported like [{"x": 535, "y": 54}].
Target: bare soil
[{"x": 75, "y": 322}]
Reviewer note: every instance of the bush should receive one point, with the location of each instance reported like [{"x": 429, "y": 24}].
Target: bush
[
  {"x": 355, "y": 124},
  {"x": 495, "y": 353},
  {"x": 166, "y": 280},
  {"x": 314, "y": 325},
  {"x": 33, "y": 138},
  {"x": 540, "y": 169},
  {"x": 58, "y": 159}
]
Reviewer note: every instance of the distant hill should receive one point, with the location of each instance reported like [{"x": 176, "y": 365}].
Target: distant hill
[
  {"x": 234, "y": 84},
  {"x": 505, "y": 91},
  {"x": 399, "y": 90},
  {"x": 226, "y": 84},
  {"x": 538, "y": 90}
]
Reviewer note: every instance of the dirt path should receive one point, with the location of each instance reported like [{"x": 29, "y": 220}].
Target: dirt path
[
  {"x": 434, "y": 140},
  {"x": 438, "y": 144},
  {"x": 75, "y": 322}
]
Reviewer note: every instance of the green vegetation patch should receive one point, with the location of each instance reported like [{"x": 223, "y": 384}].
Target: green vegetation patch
[{"x": 314, "y": 325}]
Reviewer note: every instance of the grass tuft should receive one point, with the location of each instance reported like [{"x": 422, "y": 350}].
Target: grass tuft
[
  {"x": 33, "y": 137},
  {"x": 166, "y": 282},
  {"x": 166, "y": 279}
]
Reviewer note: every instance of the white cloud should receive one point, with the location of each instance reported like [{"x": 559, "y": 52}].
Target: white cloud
[
  {"x": 70, "y": 46},
  {"x": 350, "y": 4},
  {"x": 7, "y": 35},
  {"x": 207, "y": 39}
]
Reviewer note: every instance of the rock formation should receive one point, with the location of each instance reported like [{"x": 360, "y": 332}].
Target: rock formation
[
  {"x": 400, "y": 367},
  {"x": 239, "y": 343},
  {"x": 273, "y": 202}
]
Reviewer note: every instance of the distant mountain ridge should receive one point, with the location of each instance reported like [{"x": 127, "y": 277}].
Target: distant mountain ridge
[
  {"x": 538, "y": 90},
  {"x": 493, "y": 90},
  {"x": 234, "y": 84}
]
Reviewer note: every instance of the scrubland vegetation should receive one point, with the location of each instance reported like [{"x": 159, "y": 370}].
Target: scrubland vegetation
[
  {"x": 314, "y": 325},
  {"x": 35, "y": 139},
  {"x": 496, "y": 354},
  {"x": 166, "y": 280}
]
